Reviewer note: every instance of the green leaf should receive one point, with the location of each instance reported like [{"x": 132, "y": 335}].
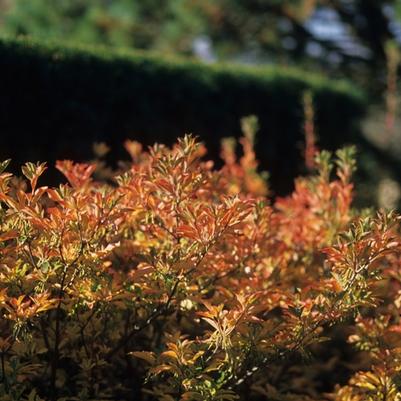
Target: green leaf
[{"x": 3, "y": 165}]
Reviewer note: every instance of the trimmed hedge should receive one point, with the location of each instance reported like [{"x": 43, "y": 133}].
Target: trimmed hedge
[{"x": 56, "y": 100}]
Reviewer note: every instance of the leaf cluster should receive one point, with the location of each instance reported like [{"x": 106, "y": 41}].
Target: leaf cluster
[{"x": 182, "y": 282}]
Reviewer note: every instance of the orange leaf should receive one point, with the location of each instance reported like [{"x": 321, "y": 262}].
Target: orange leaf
[
  {"x": 9, "y": 235},
  {"x": 146, "y": 356}
]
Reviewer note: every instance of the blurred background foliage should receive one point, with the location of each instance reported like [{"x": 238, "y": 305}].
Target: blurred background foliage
[
  {"x": 354, "y": 39},
  {"x": 339, "y": 36}
]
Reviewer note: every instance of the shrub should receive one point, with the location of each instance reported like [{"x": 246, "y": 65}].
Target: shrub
[
  {"x": 57, "y": 99},
  {"x": 188, "y": 278}
]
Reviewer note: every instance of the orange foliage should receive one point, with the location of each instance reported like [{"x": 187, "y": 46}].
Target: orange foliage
[{"x": 190, "y": 277}]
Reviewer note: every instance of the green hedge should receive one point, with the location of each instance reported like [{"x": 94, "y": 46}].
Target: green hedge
[{"x": 56, "y": 100}]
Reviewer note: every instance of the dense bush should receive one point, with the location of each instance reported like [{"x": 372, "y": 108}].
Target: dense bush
[
  {"x": 187, "y": 276},
  {"x": 56, "y": 100}
]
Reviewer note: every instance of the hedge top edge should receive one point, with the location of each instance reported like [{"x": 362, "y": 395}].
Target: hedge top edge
[{"x": 67, "y": 50}]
